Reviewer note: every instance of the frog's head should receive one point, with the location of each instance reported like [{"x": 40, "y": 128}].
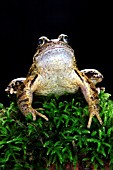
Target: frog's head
[{"x": 54, "y": 52}]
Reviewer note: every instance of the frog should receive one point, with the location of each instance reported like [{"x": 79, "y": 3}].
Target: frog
[{"x": 54, "y": 71}]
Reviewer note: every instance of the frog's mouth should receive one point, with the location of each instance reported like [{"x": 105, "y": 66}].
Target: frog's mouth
[
  {"x": 55, "y": 57},
  {"x": 55, "y": 46}
]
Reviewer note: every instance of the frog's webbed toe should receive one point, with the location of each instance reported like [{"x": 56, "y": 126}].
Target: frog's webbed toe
[{"x": 13, "y": 85}]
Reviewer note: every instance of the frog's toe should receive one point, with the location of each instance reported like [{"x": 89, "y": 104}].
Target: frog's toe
[
  {"x": 92, "y": 114},
  {"x": 99, "y": 89},
  {"x": 41, "y": 115},
  {"x": 13, "y": 85},
  {"x": 10, "y": 90},
  {"x": 34, "y": 113}
]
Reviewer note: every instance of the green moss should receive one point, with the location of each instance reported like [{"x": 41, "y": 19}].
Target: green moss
[{"x": 28, "y": 144}]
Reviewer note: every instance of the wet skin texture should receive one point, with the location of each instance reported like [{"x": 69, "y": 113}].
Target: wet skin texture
[{"x": 54, "y": 71}]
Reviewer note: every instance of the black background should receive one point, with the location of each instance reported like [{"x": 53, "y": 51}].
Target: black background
[{"x": 87, "y": 23}]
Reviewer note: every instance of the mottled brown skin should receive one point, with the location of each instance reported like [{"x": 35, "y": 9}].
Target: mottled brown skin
[{"x": 54, "y": 71}]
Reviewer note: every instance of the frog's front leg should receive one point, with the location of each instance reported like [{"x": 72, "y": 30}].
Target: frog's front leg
[
  {"x": 25, "y": 97},
  {"x": 91, "y": 95}
]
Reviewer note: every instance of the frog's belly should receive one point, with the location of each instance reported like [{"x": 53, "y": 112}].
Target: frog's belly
[{"x": 57, "y": 83}]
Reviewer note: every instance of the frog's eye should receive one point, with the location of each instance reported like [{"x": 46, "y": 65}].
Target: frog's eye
[
  {"x": 63, "y": 38},
  {"x": 42, "y": 40}
]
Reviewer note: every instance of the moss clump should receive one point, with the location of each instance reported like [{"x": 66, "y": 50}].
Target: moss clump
[{"x": 28, "y": 144}]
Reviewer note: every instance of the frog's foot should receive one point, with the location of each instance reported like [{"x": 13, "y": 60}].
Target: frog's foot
[
  {"x": 25, "y": 96},
  {"x": 34, "y": 113},
  {"x": 94, "y": 112},
  {"x": 94, "y": 75},
  {"x": 26, "y": 108},
  {"x": 13, "y": 85}
]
